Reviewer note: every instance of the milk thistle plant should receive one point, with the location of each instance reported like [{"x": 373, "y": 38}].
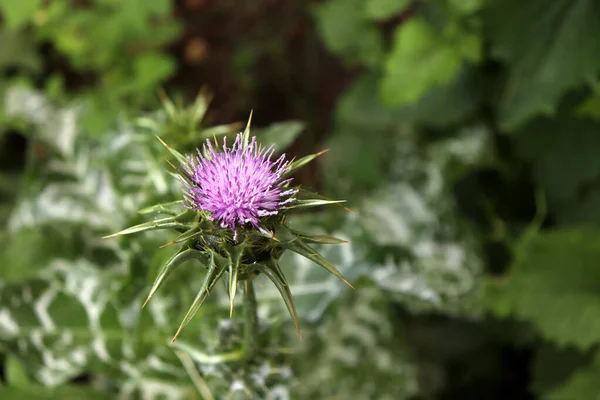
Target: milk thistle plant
[{"x": 233, "y": 220}]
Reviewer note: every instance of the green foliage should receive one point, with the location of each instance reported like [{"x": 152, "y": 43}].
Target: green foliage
[
  {"x": 422, "y": 60},
  {"x": 366, "y": 344},
  {"x": 118, "y": 46},
  {"x": 347, "y": 30},
  {"x": 70, "y": 302},
  {"x": 423, "y": 139},
  {"x": 18, "y": 14},
  {"x": 549, "y": 50},
  {"x": 383, "y": 9},
  {"x": 564, "y": 162},
  {"x": 455, "y": 114},
  {"x": 555, "y": 275},
  {"x": 582, "y": 384}
]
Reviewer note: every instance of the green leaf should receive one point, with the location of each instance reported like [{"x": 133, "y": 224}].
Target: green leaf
[
  {"x": 447, "y": 104},
  {"x": 315, "y": 288},
  {"x": 421, "y": 60},
  {"x": 67, "y": 321},
  {"x": 553, "y": 366},
  {"x": 16, "y": 374},
  {"x": 53, "y": 126},
  {"x": 38, "y": 392},
  {"x": 346, "y": 31},
  {"x": 384, "y": 9},
  {"x": 185, "y": 236},
  {"x": 590, "y": 107},
  {"x": 553, "y": 285},
  {"x": 18, "y": 13},
  {"x": 18, "y": 50},
  {"x": 427, "y": 257},
  {"x": 302, "y": 162},
  {"x": 151, "y": 68},
  {"x": 466, "y": 7},
  {"x": 169, "y": 107},
  {"x": 173, "y": 208},
  {"x": 302, "y": 248},
  {"x": 281, "y": 134},
  {"x": 234, "y": 269},
  {"x": 582, "y": 384},
  {"x": 361, "y": 105},
  {"x": 246, "y": 133},
  {"x": 352, "y": 339},
  {"x": 550, "y": 49},
  {"x": 171, "y": 265},
  {"x": 275, "y": 274},
  {"x": 410, "y": 238},
  {"x": 565, "y": 163},
  {"x": 180, "y": 157},
  {"x": 314, "y": 238},
  {"x": 212, "y": 276},
  {"x": 27, "y": 251},
  {"x": 306, "y": 198},
  {"x": 163, "y": 223},
  {"x": 312, "y": 203}
]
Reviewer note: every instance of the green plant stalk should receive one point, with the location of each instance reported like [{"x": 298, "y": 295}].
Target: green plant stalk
[{"x": 251, "y": 339}]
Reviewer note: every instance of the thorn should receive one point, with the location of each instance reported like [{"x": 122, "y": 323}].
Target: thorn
[
  {"x": 216, "y": 142},
  {"x": 146, "y": 302},
  {"x": 111, "y": 235},
  {"x": 167, "y": 244},
  {"x": 176, "y": 334},
  {"x": 348, "y": 283},
  {"x": 346, "y": 208},
  {"x": 275, "y": 239},
  {"x": 171, "y": 164},
  {"x": 321, "y": 152},
  {"x": 162, "y": 141},
  {"x": 298, "y": 331}
]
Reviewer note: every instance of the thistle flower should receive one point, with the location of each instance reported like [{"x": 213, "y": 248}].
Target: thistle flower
[
  {"x": 234, "y": 190},
  {"x": 239, "y": 185}
]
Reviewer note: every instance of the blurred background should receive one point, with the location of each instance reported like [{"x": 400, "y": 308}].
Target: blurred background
[{"x": 465, "y": 135}]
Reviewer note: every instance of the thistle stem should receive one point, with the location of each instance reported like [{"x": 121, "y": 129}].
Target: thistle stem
[{"x": 251, "y": 321}]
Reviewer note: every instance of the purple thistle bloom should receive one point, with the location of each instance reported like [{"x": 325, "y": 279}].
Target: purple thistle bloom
[{"x": 239, "y": 185}]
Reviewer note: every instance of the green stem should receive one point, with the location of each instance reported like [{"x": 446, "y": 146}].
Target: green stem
[{"x": 251, "y": 321}]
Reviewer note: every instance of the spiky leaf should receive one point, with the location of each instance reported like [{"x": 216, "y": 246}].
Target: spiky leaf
[
  {"x": 246, "y": 133},
  {"x": 163, "y": 223},
  {"x": 296, "y": 164},
  {"x": 175, "y": 261},
  {"x": 302, "y": 248},
  {"x": 272, "y": 270},
  {"x": 315, "y": 238},
  {"x": 234, "y": 270},
  {"x": 173, "y": 208},
  {"x": 212, "y": 276}
]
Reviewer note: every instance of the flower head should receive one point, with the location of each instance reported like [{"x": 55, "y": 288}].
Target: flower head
[{"x": 238, "y": 185}]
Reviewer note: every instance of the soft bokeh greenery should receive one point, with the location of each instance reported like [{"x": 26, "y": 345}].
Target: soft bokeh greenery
[{"x": 466, "y": 141}]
